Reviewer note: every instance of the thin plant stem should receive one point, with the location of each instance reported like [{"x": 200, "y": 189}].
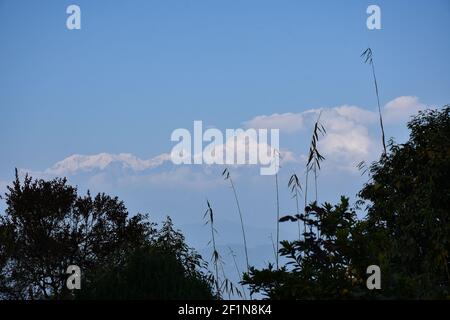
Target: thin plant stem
[
  {"x": 215, "y": 257},
  {"x": 242, "y": 224},
  {"x": 273, "y": 247},
  {"x": 379, "y": 107},
  {"x": 278, "y": 220},
  {"x": 298, "y": 212},
  {"x": 238, "y": 271},
  {"x": 368, "y": 56},
  {"x": 315, "y": 180},
  {"x": 306, "y": 197},
  {"x": 294, "y": 186},
  {"x": 227, "y": 175}
]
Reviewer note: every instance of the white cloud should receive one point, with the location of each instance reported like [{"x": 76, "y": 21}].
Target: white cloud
[
  {"x": 101, "y": 178},
  {"x": 286, "y": 122},
  {"x": 85, "y": 163},
  {"x": 356, "y": 114},
  {"x": 348, "y": 127},
  {"x": 293, "y": 122},
  {"x": 396, "y": 110},
  {"x": 347, "y": 135},
  {"x": 348, "y": 140},
  {"x": 179, "y": 177},
  {"x": 401, "y": 109},
  {"x": 356, "y": 142},
  {"x": 287, "y": 156},
  {"x": 97, "y": 165},
  {"x": 239, "y": 148}
]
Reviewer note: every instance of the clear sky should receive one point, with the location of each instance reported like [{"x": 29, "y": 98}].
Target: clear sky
[{"x": 137, "y": 70}]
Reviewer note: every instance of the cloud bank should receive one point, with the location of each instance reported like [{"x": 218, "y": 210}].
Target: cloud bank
[
  {"x": 352, "y": 136},
  {"x": 352, "y": 131},
  {"x": 77, "y": 163}
]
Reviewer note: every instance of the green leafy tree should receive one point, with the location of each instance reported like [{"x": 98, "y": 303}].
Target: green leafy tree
[
  {"x": 406, "y": 231},
  {"x": 48, "y": 227},
  {"x": 408, "y": 201},
  {"x": 165, "y": 268},
  {"x": 319, "y": 266}
]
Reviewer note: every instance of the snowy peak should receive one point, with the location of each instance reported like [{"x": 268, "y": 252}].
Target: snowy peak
[{"x": 85, "y": 163}]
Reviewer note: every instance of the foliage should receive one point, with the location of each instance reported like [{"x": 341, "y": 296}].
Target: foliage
[
  {"x": 165, "y": 268},
  {"x": 408, "y": 203},
  {"x": 318, "y": 267},
  {"x": 406, "y": 230},
  {"x": 47, "y": 227}
]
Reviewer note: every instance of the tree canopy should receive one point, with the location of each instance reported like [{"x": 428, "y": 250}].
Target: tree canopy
[
  {"x": 408, "y": 201},
  {"x": 405, "y": 231},
  {"x": 47, "y": 227}
]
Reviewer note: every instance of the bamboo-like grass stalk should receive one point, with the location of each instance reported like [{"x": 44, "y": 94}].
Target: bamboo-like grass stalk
[
  {"x": 306, "y": 195},
  {"x": 209, "y": 216},
  {"x": 233, "y": 255},
  {"x": 226, "y": 174},
  {"x": 226, "y": 286},
  {"x": 368, "y": 58},
  {"x": 278, "y": 221},
  {"x": 273, "y": 247},
  {"x": 296, "y": 188},
  {"x": 314, "y": 158}
]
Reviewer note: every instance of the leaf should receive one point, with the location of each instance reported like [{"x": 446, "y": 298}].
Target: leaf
[{"x": 288, "y": 218}]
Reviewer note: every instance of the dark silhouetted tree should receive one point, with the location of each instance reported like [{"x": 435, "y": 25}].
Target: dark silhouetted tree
[
  {"x": 406, "y": 230},
  {"x": 408, "y": 201},
  {"x": 317, "y": 267},
  {"x": 165, "y": 268},
  {"x": 47, "y": 227}
]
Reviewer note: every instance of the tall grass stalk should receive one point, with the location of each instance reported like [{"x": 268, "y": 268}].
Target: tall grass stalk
[
  {"x": 209, "y": 216},
  {"x": 314, "y": 156},
  {"x": 368, "y": 58},
  {"x": 227, "y": 176},
  {"x": 306, "y": 195},
  {"x": 295, "y": 188},
  {"x": 233, "y": 255},
  {"x": 278, "y": 219},
  {"x": 226, "y": 285},
  {"x": 273, "y": 247}
]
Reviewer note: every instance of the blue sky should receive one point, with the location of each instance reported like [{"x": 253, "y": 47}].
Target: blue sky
[
  {"x": 147, "y": 67},
  {"x": 137, "y": 70}
]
